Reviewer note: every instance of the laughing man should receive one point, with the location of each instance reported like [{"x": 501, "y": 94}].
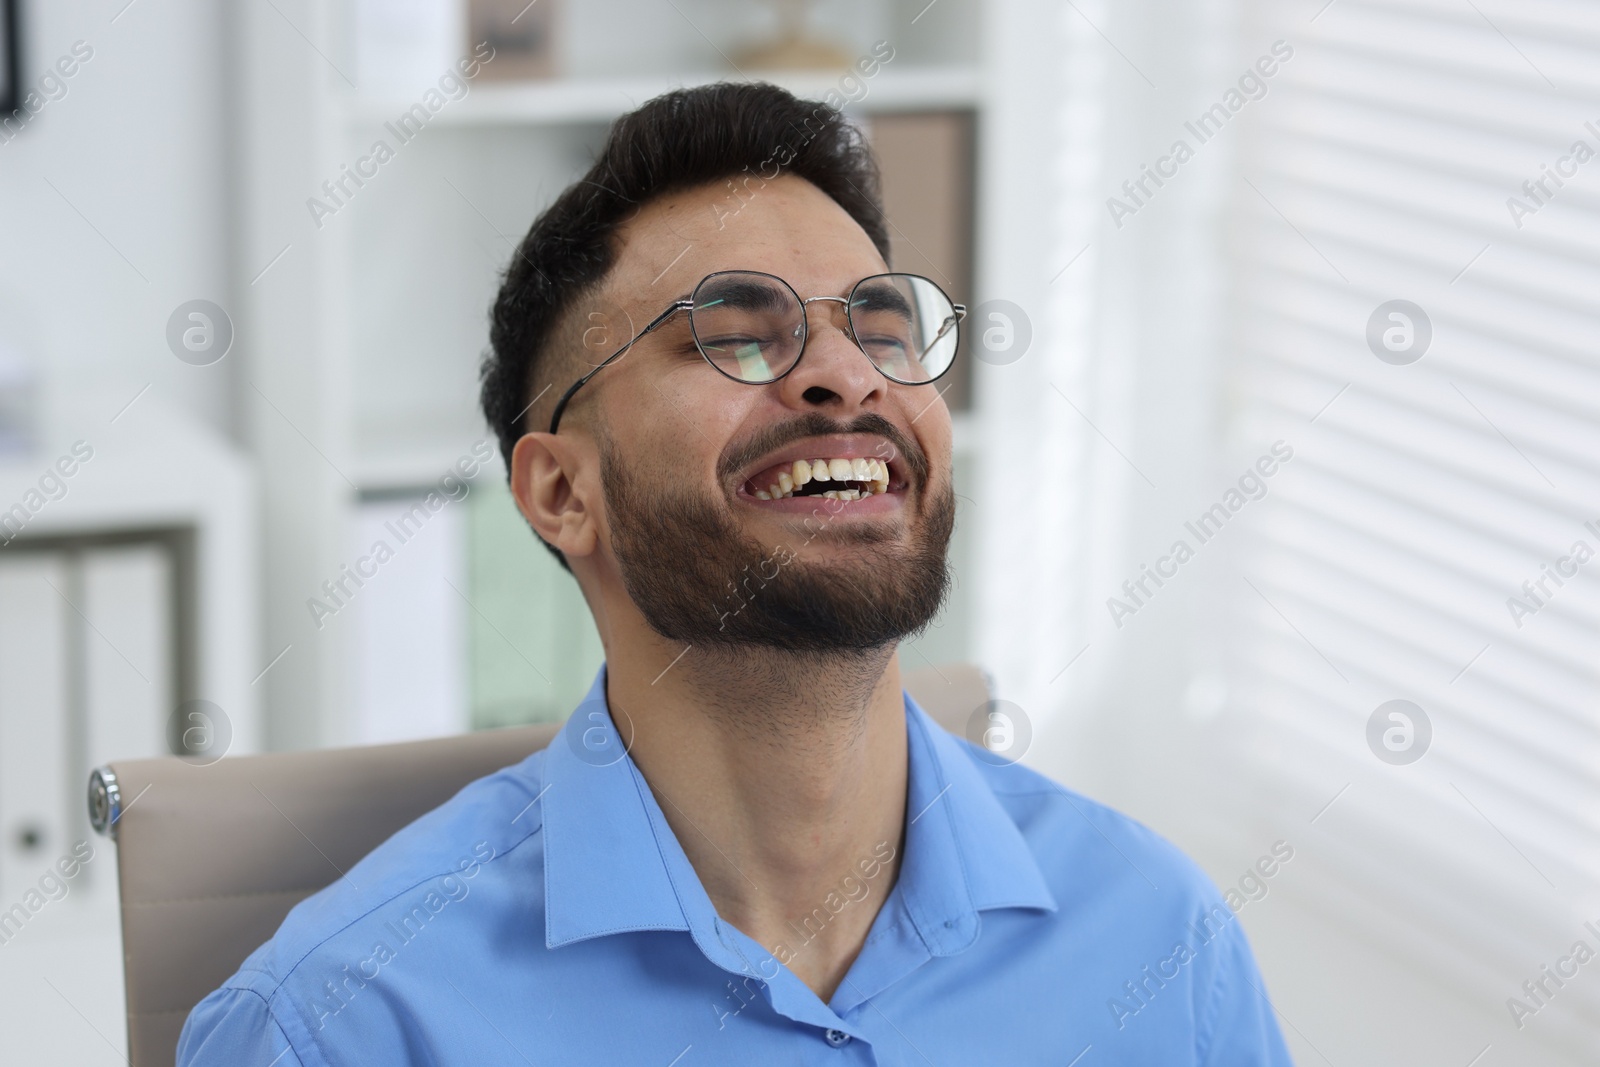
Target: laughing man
[{"x": 719, "y": 409}]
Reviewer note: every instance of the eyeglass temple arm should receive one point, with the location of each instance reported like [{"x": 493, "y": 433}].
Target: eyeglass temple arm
[
  {"x": 950, "y": 321},
  {"x": 561, "y": 405}
]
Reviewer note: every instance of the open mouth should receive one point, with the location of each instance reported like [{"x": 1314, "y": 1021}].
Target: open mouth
[{"x": 834, "y": 479}]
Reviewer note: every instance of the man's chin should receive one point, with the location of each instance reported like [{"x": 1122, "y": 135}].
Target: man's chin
[
  {"x": 831, "y": 543},
  {"x": 830, "y": 605}
]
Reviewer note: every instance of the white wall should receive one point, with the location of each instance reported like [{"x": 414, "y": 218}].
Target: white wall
[{"x": 113, "y": 200}]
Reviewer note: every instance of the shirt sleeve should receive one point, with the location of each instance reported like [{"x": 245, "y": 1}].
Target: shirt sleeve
[
  {"x": 1241, "y": 1026},
  {"x": 234, "y": 1028}
]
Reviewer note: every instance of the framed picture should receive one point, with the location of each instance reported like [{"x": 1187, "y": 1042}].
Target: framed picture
[{"x": 10, "y": 60}]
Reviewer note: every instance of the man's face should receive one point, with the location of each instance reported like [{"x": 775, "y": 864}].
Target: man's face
[{"x": 685, "y": 451}]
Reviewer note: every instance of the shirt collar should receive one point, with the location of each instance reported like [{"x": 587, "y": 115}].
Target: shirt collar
[
  {"x": 964, "y": 853},
  {"x": 613, "y": 865},
  {"x": 604, "y": 871}
]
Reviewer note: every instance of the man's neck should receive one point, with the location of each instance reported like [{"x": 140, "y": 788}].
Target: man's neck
[{"x": 783, "y": 776}]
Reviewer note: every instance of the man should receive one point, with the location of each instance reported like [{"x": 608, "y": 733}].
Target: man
[{"x": 748, "y": 846}]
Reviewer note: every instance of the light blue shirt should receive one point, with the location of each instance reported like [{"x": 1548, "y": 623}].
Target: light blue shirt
[{"x": 547, "y": 915}]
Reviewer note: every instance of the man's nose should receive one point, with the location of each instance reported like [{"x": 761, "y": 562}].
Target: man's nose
[{"x": 833, "y": 374}]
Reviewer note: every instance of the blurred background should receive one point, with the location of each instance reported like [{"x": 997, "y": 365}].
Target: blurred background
[{"x": 1275, "y": 434}]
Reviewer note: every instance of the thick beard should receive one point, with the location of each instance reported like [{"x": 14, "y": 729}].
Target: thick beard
[{"x": 695, "y": 578}]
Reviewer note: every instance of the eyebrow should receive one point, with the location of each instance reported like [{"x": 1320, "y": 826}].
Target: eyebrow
[
  {"x": 748, "y": 296},
  {"x": 882, "y": 297}
]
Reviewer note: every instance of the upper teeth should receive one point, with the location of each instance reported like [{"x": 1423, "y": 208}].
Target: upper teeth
[{"x": 873, "y": 473}]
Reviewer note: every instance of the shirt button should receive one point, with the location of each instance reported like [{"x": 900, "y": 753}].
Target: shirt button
[{"x": 836, "y": 1038}]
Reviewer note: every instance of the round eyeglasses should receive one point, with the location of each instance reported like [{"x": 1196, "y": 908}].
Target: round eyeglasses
[{"x": 752, "y": 327}]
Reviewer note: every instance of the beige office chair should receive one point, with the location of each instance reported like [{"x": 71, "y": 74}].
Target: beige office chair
[{"x": 211, "y": 858}]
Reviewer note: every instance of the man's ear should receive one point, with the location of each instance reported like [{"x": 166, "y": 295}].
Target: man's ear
[{"x": 544, "y": 472}]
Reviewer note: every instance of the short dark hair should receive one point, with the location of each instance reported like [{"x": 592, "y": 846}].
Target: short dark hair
[{"x": 679, "y": 140}]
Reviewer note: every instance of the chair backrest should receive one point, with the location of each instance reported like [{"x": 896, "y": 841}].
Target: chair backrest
[{"x": 210, "y": 858}]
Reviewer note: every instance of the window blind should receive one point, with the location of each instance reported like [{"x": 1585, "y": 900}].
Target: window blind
[{"x": 1426, "y": 546}]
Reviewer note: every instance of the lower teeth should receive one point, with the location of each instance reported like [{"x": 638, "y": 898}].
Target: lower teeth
[{"x": 856, "y": 491}]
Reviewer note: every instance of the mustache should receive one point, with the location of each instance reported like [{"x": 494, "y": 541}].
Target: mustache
[{"x": 815, "y": 424}]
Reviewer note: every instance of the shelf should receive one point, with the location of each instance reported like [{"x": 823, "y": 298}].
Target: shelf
[
  {"x": 600, "y": 100},
  {"x": 415, "y": 460}
]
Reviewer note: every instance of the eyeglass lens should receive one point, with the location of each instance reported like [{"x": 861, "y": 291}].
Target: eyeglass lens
[
  {"x": 752, "y": 326},
  {"x": 905, "y": 324}
]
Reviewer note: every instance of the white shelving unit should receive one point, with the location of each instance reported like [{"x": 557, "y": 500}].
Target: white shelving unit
[
  {"x": 594, "y": 100},
  {"x": 130, "y": 588}
]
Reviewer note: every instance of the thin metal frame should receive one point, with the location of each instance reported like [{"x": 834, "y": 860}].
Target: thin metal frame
[{"x": 960, "y": 311}]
